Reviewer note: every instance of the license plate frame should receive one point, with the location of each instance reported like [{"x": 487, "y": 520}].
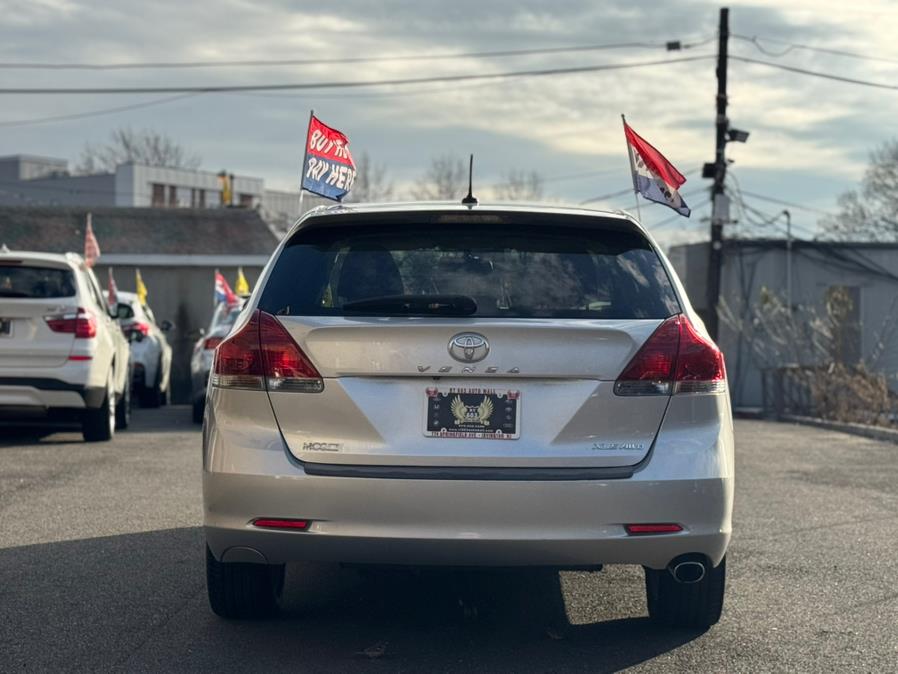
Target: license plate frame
[{"x": 472, "y": 413}]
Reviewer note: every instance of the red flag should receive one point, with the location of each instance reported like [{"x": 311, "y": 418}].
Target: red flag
[
  {"x": 223, "y": 292},
  {"x": 91, "y": 247},
  {"x": 654, "y": 177},
  {"x": 112, "y": 289}
]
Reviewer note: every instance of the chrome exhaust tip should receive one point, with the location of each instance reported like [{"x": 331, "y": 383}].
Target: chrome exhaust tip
[{"x": 688, "y": 572}]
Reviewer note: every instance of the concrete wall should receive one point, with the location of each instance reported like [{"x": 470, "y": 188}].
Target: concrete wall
[{"x": 182, "y": 294}]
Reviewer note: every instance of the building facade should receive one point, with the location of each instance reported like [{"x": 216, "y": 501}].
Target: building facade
[
  {"x": 28, "y": 180},
  {"x": 865, "y": 273}
]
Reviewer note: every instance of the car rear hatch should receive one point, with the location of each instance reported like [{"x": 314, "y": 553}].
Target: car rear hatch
[
  {"x": 451, "y": 339},
  {"x": 32, "y": 295}
]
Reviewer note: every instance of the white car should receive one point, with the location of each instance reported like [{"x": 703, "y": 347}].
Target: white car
[
  {"x": 223, "y": 319},
  {"x": 63, "y": 357},
  {"x": 150, "y": 351}
]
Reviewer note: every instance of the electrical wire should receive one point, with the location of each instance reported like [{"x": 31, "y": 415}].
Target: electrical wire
[
  {"x": 349, "y": 84},
  {"x": 92, "y": 113},
  {"x": 791, "y": 46},
  {"x": 268, "y": 63},
  {"x": 814, "y": 73}
]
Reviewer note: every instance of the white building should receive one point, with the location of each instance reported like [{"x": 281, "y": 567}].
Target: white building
[{"x": 27, "y": 180}]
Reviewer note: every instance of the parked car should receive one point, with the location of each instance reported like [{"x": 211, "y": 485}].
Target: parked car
[
  {"x": 469, "y": 385},
  {"x": 150, "y": 351},
  {"x": 223, "y": 318},
  {"x": 63, "y": 357}
]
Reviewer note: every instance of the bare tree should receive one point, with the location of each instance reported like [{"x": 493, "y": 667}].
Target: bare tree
[
  {"x": 446, "y": 178},
  {"x": 520, "y": 186},
  {"x": 870, "y": 212},
  {"x": 371, "y": 181},
  {"x": 142, "y": 147}
]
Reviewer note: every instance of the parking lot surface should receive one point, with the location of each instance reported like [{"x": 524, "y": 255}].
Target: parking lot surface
[{"x": 101, "y": 568}]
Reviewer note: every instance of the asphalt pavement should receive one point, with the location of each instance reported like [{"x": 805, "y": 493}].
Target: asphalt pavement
[{"x": 101, "y": 568}]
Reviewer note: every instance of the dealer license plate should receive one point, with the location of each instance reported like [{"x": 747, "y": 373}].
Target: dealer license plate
[{"x": 473, "y": 413}]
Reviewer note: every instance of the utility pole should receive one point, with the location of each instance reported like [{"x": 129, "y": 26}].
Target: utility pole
[{"x": 720, "y": 208}]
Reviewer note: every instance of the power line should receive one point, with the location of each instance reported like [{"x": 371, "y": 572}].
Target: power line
[
  {"x": 267, "y": 63},
  {"x": 783, "y": 202},
  {"x": 349, "y": 84},
  {"x": 791, "y": 46},
  {"x": 813, "y": 73},
  {"x": 92, "y": 113}
]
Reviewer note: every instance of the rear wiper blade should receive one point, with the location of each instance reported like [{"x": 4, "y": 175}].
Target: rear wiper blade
[
  {"x": 443, "y": 305},
  {"x": 13, "y": 293}
]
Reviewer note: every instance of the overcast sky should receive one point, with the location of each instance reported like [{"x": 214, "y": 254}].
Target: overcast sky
[{"x": 809, "y": 137}]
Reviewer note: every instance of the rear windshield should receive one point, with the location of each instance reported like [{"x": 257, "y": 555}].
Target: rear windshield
[
  {"x": 36, "y": 282},
  {"x": 483, "y": 270}
]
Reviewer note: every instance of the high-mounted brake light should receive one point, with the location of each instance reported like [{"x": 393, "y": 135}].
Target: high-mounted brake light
[
  {"x": 79, "y": 322},
  {"x": 675, "y": 359},
  {"x": 261, "y": 355}
]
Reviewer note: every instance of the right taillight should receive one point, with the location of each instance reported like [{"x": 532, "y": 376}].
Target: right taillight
[
  {"x": 675, "y": 359},
  {"x": 262, "y": 355},
  {"x": 80, "y": 322}
]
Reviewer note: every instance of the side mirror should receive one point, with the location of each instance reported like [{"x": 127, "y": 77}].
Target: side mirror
[{"x": 166, "y": 325}]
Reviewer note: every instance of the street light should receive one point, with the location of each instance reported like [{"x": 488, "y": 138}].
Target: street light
[{"x": 737, "y": 135}]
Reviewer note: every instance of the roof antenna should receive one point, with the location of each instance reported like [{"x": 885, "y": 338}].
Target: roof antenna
[{"x": 470, "y": 200}]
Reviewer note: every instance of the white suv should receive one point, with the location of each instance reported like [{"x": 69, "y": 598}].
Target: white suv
[{"x": 63, "y": 358}]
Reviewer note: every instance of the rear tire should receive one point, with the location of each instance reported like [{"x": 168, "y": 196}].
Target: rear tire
[
  {"x": 243, "y": 591},
  {"x": 690, "y": 605},
  {"x": 151, "y": 396},
  {"x": 123, "y": 408},
  {"x": 199, "y": 409},
  {"x": 98, "y": 425}
]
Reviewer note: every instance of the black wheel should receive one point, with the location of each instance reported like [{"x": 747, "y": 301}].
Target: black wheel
[
  {"x": 199, "y": 408},
  {"x": 98, "y": 425},
  {"x": 238, "y": 590},
  {"x": 151, "y": 396},
  {"x": 123, "y": 408},
  {"x": 694, "y": 605}
]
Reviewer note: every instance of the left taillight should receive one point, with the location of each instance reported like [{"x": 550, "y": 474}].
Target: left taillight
[
  {"x": 81, "y": 322},
  {"x": 263, "y": 355}
]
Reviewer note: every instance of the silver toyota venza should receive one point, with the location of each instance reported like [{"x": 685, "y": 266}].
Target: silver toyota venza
[{"x": 469, "y": 385}]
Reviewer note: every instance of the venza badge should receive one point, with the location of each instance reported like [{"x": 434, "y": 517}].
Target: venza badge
[{"x": 469, "y": 347}]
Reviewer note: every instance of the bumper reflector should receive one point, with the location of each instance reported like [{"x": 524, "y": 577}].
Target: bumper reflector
[
  {"x": 647, "y": 529},
  {"x": 269, "y": 523}
]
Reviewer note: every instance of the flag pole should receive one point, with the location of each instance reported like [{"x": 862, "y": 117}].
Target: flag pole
[
  {"x": 632, "y": 169},
  {"x": 305, "y": 158}
]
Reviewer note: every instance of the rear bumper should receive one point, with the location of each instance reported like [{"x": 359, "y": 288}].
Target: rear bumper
[
  {"x": 248, "y": 473},
  {"x": 457, "y": 522},
  {"x": 35, "y": 394}
]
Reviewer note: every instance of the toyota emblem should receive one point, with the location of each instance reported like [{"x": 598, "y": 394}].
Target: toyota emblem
[{"x": 469, "y": 347}]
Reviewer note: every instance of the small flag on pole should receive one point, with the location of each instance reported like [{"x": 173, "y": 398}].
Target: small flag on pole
[
  {"x": 223, "y": 292},
  {"x": 654, "y": 177},
  {"x": 140, "y": 287},
  {"x": 91, "y": 247},
  {"x": 328, "y": 169},
  {"x": 241, "y": 287},
  {"x": 112, "y": 289}
]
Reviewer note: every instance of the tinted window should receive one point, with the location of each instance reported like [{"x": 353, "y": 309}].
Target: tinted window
[
  {"x": 520, "y": 271},
  {"x": 36, "y": 282}
]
